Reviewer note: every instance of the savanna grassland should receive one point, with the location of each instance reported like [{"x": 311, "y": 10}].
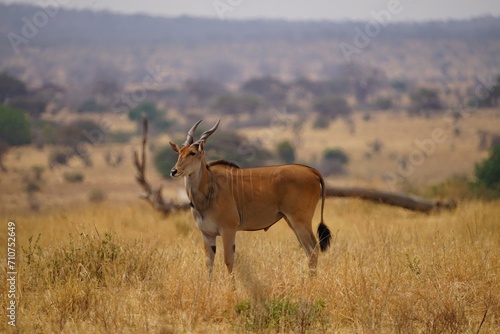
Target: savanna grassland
[
  {"x": 120, "y": 266},
  {"x": 110, "y": 268}
]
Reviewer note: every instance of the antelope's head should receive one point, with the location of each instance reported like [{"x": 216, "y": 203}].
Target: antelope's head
[{"x": 191, "y": 153}]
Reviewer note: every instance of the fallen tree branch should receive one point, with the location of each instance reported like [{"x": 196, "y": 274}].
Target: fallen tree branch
[{"x": 406, "y": 201}]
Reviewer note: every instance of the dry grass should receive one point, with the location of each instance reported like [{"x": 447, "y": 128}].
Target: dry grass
[{"x": 108, "y": 268}]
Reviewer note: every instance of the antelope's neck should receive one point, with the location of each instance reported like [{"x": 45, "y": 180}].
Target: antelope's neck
[{"x": 198, "y": 187}]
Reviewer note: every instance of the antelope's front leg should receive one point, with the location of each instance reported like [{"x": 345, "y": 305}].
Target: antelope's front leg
[
  {"x": 210, "y": 249},
  {"x": 228, "y": 240}
]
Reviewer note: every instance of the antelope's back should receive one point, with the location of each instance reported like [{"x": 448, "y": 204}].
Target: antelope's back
[{"x": 264, "y": 193}]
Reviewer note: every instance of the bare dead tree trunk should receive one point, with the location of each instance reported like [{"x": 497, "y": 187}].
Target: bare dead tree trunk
[
  {"x": 406, "y": 201},
  {"x": 152, "y": 194}
]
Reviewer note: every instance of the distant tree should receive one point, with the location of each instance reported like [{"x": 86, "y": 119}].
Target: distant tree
[
  {"x": 271, "y": 89},
  {"x": 231, "y": 104},
  {"x": 204, "y": 89},
  {"x": 15, "y": 130},
  {"x": 34, "y": 105},
  {"x": 321, "y": 122},
  {"x": 164, "y": 159},
  {"x": 15, "y": 127},
  {"x": 234, "y": 147},
  {"x": 364, "y": 80},
  {"x": 77, "y": 136},
  {"x": 333, "y": 162},
  {"x": 333, "y": 106},
  {"x": 77, "y": 133},
  {"x": 488, "y": 171},
  {"x": 227, "y": 145},
  {"x": 493, "y": 97},
  {"x": 147, "y": 109},
  {"x": 106, "y": 87},
  {"x": 399, "y": 85},
  {"x": 425, "y": 101},
  {"x": 11, "y": 87},
  {"x": 383, "y": 103},
  {"x": 156, "y": 117},
  {"x": 286, "y": 152}
]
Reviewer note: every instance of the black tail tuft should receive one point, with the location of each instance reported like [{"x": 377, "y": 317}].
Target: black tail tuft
[{"x": 324, "y": 236}]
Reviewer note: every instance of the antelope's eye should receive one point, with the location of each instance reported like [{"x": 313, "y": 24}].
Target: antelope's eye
[{"x": 192, "y": 153}]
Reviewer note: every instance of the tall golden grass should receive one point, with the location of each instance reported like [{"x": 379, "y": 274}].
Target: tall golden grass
[{"x": 126, "y": 269}]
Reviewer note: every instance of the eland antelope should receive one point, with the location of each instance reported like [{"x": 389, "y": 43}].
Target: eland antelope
[{"x": 226, "y": 199}]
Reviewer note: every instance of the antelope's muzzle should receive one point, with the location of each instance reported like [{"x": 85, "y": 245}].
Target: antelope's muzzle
[{"x": 173, "y": 172}]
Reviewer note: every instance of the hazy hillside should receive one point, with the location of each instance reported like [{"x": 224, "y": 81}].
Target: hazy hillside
[{"x": 72, "y": 47}]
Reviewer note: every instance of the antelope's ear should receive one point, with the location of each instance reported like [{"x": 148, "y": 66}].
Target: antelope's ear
[
  {"x": 201, "y": 146},
  {"x": 174, "y": 147}
]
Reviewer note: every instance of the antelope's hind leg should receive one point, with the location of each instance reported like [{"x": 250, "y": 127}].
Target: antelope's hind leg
[
  {"x": 305, "y": 235},
  {"x": 228, "y": 240}
]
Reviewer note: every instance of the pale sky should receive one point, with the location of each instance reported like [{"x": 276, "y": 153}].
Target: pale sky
[{"x": 405, "y": 10}]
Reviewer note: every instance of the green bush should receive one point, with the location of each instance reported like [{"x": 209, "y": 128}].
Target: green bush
[
  {"x": 321, "y": 122},
  {"x": 383, "y": 103},
  {"x": 164, "y": 159},
  {"x": 333, "y": 107},
  {"x": 488, "y": 171},
  {"x": 334, "y": 162},
  {"x": 73, "y": 177},
  {"x": 335, "y": 154},
  {"x": 424, "y": 101},
  {"x": 286, "y": 152},
  {"x": 15, "y": 127},
  {"x": 155, "y": 117}
]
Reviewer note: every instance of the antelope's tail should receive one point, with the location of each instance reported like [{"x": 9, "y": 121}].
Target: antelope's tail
[{"x": 324, "y": 234}]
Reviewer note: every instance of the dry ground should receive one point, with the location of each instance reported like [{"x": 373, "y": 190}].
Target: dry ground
[{"x": 110, "y": 268}]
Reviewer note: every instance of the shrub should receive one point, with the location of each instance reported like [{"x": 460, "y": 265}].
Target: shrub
[
  {"x": 49, "y": 131},
  {"x": 286, "y": 152},
  {"x": 59, "y": 157},
  {"x": 334, "y": 162},
  {"x": 424, "y": 101},
  {"x": 119, "y": 137},
  {"x": 97, "y": 196},
  {"x": 164, "y": 159},
  {"x": 155, "y": 116},
  {"x": 73, "y": 177},
  {"x": 335, "y": 154},
  {"x": 15, "y": 128},
  {"x": 321, "y": 122},
  {"x": 399, "y": 85},
  {"x": 11, "y": 87},
  {"x": 383, "y": 103},
  {"x": 488, "y": 171},
  {"x": 333, "y": 107}
]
